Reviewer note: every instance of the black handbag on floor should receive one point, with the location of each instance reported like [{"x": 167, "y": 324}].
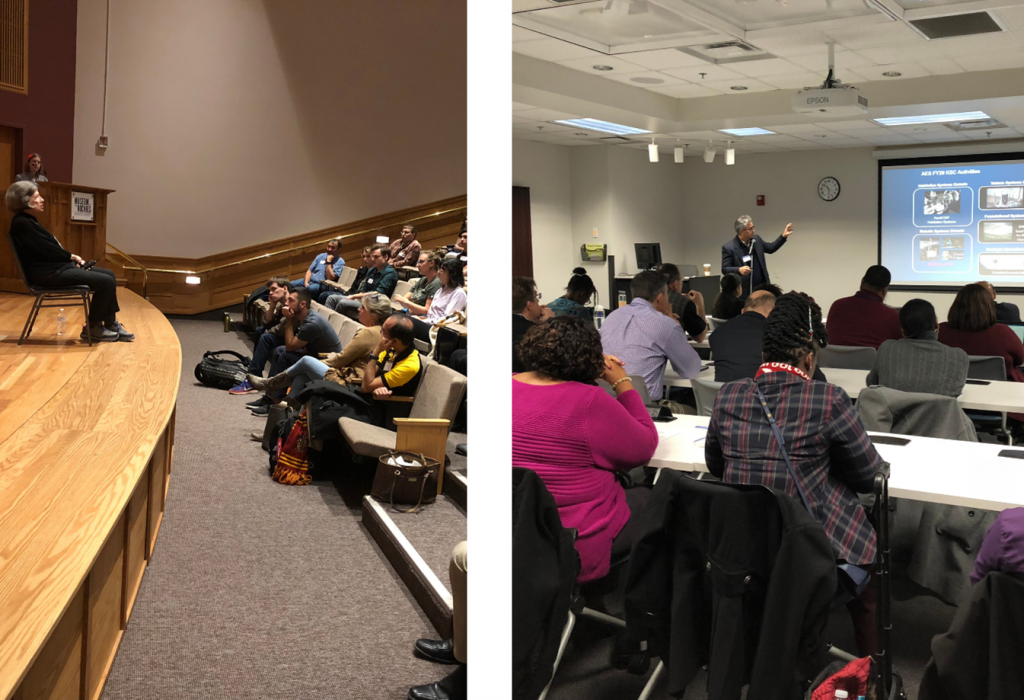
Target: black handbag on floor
[{"x": 220, "y": 372}]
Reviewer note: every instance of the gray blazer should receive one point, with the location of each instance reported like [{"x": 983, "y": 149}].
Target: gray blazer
[{"x": 920, "y": 366}]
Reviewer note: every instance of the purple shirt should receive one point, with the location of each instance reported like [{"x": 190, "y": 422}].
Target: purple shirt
[
  {"x": 1003, "y": 548},
  {"x": 644, "y": 338}
]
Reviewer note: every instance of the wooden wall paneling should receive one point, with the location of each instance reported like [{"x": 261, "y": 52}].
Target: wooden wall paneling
[
  {"x": 104, "y": 604},
  {"x": 157, "y": 470},
  {"x": 56, "y": 674},
  {"x": 137, "y": 517}
]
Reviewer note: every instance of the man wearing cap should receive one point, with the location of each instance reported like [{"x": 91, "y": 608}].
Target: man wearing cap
[{"x": 863, "y": 320}]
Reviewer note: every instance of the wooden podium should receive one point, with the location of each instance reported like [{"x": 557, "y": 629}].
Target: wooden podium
[{"x": 85, "y": 238}]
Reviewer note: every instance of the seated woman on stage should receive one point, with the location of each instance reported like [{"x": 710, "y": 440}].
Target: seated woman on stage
[
  {"x": 576, "y": 436},
  {"x": 728, "y": 304},
  {"x": 829, "y": 450},
  {"x": 573, "y": 303},
  {"x": 451, "y": 297},
  {"x": 47, "y": 264},
  {"x": 972, "y": 327},
  {"x": 345, "y": 367}
]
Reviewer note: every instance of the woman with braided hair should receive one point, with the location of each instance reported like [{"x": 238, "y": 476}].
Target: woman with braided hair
[{"x": 832, "y": 458}]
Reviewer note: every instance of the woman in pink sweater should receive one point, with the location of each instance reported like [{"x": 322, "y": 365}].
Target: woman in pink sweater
[{"x": 576, "y": 436}]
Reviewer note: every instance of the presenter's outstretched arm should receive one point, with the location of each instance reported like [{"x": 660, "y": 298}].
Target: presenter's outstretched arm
[{"x": 770, "y": 248}]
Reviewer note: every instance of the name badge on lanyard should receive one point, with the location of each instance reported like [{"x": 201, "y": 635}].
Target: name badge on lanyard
[{"x": 746, "y": 258}]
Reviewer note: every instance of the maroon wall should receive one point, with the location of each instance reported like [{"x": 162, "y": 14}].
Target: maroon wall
[{"x": 47, "y": 114}]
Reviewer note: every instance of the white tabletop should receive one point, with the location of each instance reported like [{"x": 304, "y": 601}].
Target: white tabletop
[
  {"x": 1005, "y": 397},
  {"x": 926, "y": 469}
]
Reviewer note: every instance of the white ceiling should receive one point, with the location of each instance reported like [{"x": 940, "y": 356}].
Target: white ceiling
[{"x": 640, "y": 41}]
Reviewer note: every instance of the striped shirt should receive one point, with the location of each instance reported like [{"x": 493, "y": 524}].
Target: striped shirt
[
  {"x": 644, "y": 339},
  {"x": 826, "y": 442}
]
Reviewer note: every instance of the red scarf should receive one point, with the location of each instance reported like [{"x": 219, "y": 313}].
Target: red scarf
[{"x": 769, "y": 367}]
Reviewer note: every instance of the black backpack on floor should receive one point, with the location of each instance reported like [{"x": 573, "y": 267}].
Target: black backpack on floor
[{"x": 220, "y": 372}]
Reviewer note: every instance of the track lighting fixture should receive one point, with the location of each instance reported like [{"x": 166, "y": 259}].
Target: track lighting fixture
[
  {"x": 678, "y": 152},
  {"x": 652, "y": 151},
  {"x": 709, "y": 153},
  {"x": 730, "y": 155}
]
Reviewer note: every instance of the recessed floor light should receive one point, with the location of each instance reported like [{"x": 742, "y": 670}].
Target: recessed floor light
[
  {"x": 892, "y": 74},
  {"x": 738, "y": 87},
  {"x": 603, "y": 68},
  {"x": 647, "y": 81}
]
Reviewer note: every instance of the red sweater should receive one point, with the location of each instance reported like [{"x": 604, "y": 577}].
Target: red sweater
[
  {"x": 997, "y": 340},
  {"x": 862, "y": 321}
]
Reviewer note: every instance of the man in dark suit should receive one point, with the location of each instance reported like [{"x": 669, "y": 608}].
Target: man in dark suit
[
  {"x": 736, "y": 345},
  {"x": 526, "y": 313},
  {"x": 744, "y": 254}
]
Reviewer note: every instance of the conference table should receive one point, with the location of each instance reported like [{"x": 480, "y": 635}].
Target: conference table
[
  {"x": 1004, "y": 397},
  {"x": 951, "y": 472}
]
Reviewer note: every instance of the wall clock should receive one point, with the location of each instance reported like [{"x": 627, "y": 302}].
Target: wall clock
[{"x": 828, "y": 189}]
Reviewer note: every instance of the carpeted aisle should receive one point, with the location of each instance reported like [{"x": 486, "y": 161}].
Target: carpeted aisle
[{"x": 258, "y": 590}]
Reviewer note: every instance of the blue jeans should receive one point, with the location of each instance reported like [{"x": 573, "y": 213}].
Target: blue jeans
[
  {"x": 306, "y": 370},
  {"x": 280, "y": 361},
  {"x": 261, "y": 353},
  {"x": 314, "y": 287}
]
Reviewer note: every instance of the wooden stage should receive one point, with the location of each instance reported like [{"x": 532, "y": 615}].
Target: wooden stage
[{"x": 86, "y": 442}]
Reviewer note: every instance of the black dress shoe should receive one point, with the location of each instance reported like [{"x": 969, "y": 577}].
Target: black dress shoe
[
  {"x": 260, "y": 410},
  {"x": 261, "y": 401},
  {"x": 451, "y": 687},
  {"x": 441, "y": 652}
]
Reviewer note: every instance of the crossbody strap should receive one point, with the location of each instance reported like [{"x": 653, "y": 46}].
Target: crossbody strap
[{"x": 782, "y": 446}]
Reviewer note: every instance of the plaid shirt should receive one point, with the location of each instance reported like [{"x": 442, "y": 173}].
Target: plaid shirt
[
  {"x": 827, "y": 444},
  {"x": 411, "y": 253}
]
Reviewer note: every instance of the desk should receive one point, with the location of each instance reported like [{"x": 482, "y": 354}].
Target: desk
[
  {"x": 951, "y": 472},
  {"x": 1005, "y": 397}
]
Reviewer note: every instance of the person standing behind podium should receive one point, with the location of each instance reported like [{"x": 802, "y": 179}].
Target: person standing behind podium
[
  {"x": 47, "y": 264},
  {"x": 34, "y": 171},
  {"x": 744, "y": 254}
]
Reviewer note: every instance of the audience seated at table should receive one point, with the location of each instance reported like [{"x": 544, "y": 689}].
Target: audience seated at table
[
  {"x": 380, "y": 277},
  {"x": 863, "y": 320},
  {"x": 1003, "y": 546},
  {"x": 824, "y": 437},
  {"x": 344, "y": 367},
  {"x": 728, "y": 303},
  {"x": 971, "y": 326},
  {"x": 451, "y": 297},
  {"x": 1005, "y": 312},
  {"x": 576, "y": 436},
  {"x": 577, "y": 295},
  {"x": 526, "y": 313},
  {"x": 306, "y": 333},
  {"x": 689, "y": 307},
  {"x": 268, "y": 336},
  {"x": 418, "y": 299},
  {"x": 919, "y": 362},
  {"x": 324, "y": 266},
  {"x": 644, "y": 336},
  {"x": 404, "y": 251}
]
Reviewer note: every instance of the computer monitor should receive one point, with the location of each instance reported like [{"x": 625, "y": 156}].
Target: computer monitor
[{"x": 648, "y": 255}]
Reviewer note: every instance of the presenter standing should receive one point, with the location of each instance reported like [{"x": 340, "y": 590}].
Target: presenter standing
[{"x": 744, "y": 254}]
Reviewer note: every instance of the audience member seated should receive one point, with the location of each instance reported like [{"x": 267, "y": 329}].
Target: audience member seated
[
  {"x": 34, "y": 170},
  {"x": 526, "y": 313},
  {"x": 863, "y": 320},
  {"x": 728, "y": 303},
  {"x": 645, "y": 336},
  {"x": 324, "y": 266},
  {"x": 404, "y": 251},
  {"x": 919, "y": 363},
  {"x": 824, "y": 437},
  {"x": 458, "y": 250},
  {"x": 305, "y": 333},
  {"x": 394, "y": 366},
  {"x": 775, "y": 289},
  {"x": 577, "y": 295},
  {"x": 689, "y": 307},
  {"x": 47, "y": 264},
  {"x": 380, "y": 278},
  {"x": 345, "y": 367},
  {"x": 1005, "y": 312},
  {"x": 575, "y": 436},
  {"x": 419, "y": 298},
  {"x": 448, "y": 651},
  {"x": 971, "y": 326},
  {"x": 736, "y": 345},
  {"x": 270, "y": 334},
  {"x": 1003, "y": 547},
  {"x": 451, "y": 297}
]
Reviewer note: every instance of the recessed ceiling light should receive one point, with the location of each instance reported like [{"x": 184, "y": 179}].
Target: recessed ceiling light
[
  {"x": 750, "y": 131},
  {"x": 738, "y": 87},
  {"x": 892, "y": 74},
  {"x": 602, "y": 68},
  {"x": 931, "y": 119},
  {"x": 598, "y": 125},
  {"x": 920, "y": 128},
  {"x": 647, "y": 81}
]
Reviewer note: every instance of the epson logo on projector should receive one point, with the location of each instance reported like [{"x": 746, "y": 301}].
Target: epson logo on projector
[
  {"x": 834, "y": 102},
  {"x": 817, "y": 100}
]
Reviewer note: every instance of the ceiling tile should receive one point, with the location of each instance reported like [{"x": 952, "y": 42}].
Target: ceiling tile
[
  {"x": 773, "y": 139},
  {"x": 767, "y": 66},
  {"x": 905, "y": 70},
  {"x": 799, "y": 130},
  {"x": 908, "y": 52},
  {"x": 587, "y": 65},
  {"x": 629, "y": 79},
  {"x": 932, "y": 137},
  {"x": 661, "y": 59},
  {"x": 990, "y": 134},
  {"x": 919, "y": 128},
  {"x": 540, "y": 128},
  {"x": 885, "y": 139},
  {"x": 684, "y": 90},
  {"x": 519, "y": 106},
  {"x": 522, "y": 120},
  {"x": 520, "y": 34},
  {"x": 726, "y": 86},
  {"x": 866, "y": 36},
  {"x": 553, "y": 50},
  {"x": 851, "y": 124},
  {"x": 992, "y": 61},
  {"x": 942, "y": 66},
  {"x": 693, "y": 136},
  {"x": 818, "y": 61},
  {"x": 796, "y": 81},
  {"x": 792, "y": 44},
  {"x": 982, "y": 43},
  {"x": 1012, "y": 17},
  {"x": 544, "y": 115},
  {"x": 693, "y": 74}
]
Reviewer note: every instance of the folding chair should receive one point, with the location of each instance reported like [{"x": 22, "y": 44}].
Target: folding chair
[{"x": 76, "y": 295}]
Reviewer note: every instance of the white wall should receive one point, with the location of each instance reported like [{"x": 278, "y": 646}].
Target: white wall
[
  {"x": 690, "y": 208},
  {"x": 236, "y": 122}
]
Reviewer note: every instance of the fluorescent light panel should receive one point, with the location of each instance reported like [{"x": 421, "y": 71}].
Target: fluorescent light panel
[
  {"x": 598, "y": 125},
  {"x": 931, "y": 119},
  {"x": 751, "y": 131}
]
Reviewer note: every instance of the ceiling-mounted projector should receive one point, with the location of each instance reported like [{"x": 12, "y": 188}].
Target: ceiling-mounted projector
[{"x": 836, "y": 101}]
